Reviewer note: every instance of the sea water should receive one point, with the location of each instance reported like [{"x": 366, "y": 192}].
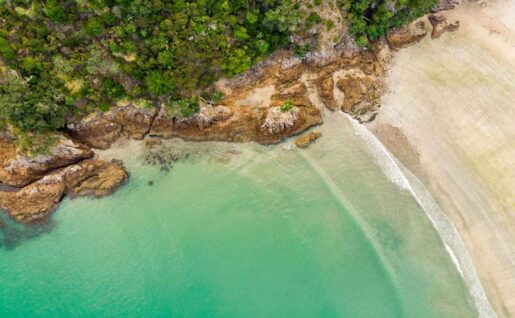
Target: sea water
[{"x": 237, "y": 230}]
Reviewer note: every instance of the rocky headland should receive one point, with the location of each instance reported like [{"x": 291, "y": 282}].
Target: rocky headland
[{"x": 252, "y": 109}]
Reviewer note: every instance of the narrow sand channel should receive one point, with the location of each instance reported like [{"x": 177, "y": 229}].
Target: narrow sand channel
[{"x": 449, "y": 116}]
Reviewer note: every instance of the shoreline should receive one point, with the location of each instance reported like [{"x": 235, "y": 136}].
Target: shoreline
[
  {"x": 451, "y": 127},
  {"x": 456, "y": 182}
]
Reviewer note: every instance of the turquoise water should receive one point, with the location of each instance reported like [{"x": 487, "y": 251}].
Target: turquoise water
[{"x": 237, "y": 231}]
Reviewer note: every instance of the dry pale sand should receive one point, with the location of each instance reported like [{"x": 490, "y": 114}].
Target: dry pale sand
[{"x": 451, "y": 102}]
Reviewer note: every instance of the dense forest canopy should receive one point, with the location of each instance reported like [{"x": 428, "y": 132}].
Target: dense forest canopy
[{"x": 77, "y": 56}]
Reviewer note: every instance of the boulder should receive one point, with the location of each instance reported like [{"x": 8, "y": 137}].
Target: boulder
[
  {"x": 18, "y": 170},
  {"x": 37, "y": 200},
  {"x": 94, "y": 177},
  {"x": 308, "y": 139},
  {"x": 443, "y": 5},
  {"x": 361, "y": 92},
  {"x": 325, "y": 86},
  {"x": 406, "y": 35},
  {"x": 33, "y": 202},
  {"x": 100, "y": 130},
  {"x": 440, "y": 25},
  {"x": 294, "y": 92},
  {"x": 205, "y": 117},
  {"x": 278, "y": 122}
]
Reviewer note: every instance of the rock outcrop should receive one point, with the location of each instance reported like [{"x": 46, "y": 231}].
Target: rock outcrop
[
  {"x": 237, "y": 124},
  {"x": 308, "y": 139},
  {"x": 443, "y": 5},
  {"x": 18, "y": 170},
  {"x": 278, "y": 121},
  {"x": 361, "y": 94},
  {"x": 37, "y": 200},
  {"x": 325, "y": 88},
  {"x": 292, "y": 95},
  {"x": 406, "y": 35},
  {"x": 100, "y": 130},
  {"x": 440, "y": 25}
]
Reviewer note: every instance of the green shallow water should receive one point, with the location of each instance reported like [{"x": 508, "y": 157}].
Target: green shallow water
[{"x": 237, "y": 231}]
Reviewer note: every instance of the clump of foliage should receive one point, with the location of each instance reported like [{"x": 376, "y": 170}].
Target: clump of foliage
[
  {"x": 287, "y": 106},
  {"x": 30, "y": 143},
  {"x": 78, "y": 55},
  {"x": 95, "y": 52},
  {"x": 183, "y": 108},
  {"x": 313, "y": 19},
  {"x": 31, "y": 106},
  {"x": 370, "y": 19},
  {"x": 302, "y": 50}
]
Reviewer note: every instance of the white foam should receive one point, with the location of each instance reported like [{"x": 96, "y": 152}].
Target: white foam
[
  {"x": 452, "y": 241},
  {"x": 383, "y": 158}
]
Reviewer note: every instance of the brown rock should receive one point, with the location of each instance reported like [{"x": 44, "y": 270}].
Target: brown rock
[
  {"x": 443, "y": 5},
  {"x": 243, "y": 125},
  {"x": 308, "y": 139},
  {"x": 135, "y": 122},
  {"x": 295, "y": 92},
  {"x": 362, "y": 92},
  {"x": 325, "y": 87},
  {"x": 35, "y": 201},
  {"x": 18, "y": 170},
  {"x": 205, "y": 117},
  {"x": 7, "y": 151},
  {"x": 94, "y": 177},
  {"x": 100, "y": 130},
  {"x": 440, "y": 25},
  {"x": 278, "y": 122},
  {"x": 278, "y": 125},
  {"x": 406, "y": 35}
]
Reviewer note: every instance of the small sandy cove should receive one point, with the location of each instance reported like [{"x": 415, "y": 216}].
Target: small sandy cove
[{"x": 449, "y": 116}]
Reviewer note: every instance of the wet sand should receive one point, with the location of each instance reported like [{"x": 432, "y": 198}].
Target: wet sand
[{"x": 449, "y": 116}]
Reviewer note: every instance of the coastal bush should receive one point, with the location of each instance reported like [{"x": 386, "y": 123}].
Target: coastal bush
[
  {"x": 155, "y": 49},
  {"x": 370, "y": 19},
  {"x": 183, "y": 108},
  {"x": 31, "y": 107},
  {"x": 54, "y": 11},
  {"x": 159, "y": 83},
  {"x": 6, "y": 51},
  {"x": 95, "y": 52}
]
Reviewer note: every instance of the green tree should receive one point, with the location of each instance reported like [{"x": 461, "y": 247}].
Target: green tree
[
  {"x": 54, "y": 11},
  {"x": 31, "y": 107},
  {"x": 159, "y": 83}
]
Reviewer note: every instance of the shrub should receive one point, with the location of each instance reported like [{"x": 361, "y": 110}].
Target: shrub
[
  {"x": 287, "y": 106},
  {"x": 159, "y": 83},
  {"x": 313, "y": 19},
  {"x": 113, "y": 89},
  {"x": 183, "y": 108},
  {"x": 370, "y": 19},
  {"x": 6, "y": 51},
  {"x": 93, "y": 27},
  {"x": 302, "y": 50},
  {"x": 31, "y": 107},
  {"x": 31, "y": 66},
  {"x": 54, "y": 11}
]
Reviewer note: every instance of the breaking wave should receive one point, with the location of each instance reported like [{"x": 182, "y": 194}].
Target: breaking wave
[{"x": 452, "y": 241}]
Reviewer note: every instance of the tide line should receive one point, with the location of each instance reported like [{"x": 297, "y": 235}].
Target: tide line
[{"x": 454, "y": 245}]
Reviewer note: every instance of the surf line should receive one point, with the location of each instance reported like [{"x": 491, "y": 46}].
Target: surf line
[{"x": 454, "y": 245}]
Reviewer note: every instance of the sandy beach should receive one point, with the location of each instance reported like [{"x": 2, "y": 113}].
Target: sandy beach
[{"x": 449, "y": 116}]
